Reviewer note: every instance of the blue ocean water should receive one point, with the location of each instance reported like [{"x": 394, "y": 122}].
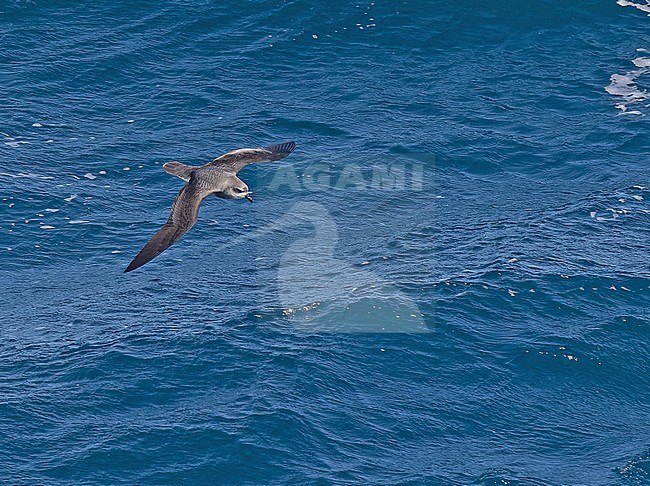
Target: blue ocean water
[{"x": 446, "y": 283}]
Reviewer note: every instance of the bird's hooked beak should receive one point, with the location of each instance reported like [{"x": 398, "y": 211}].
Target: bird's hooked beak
[{"x": 248, "y": 197}]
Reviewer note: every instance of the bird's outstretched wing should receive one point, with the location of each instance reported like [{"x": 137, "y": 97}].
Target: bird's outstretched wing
[
  {"x": 185, "y": 210},
  {"x": 233, "y": 161}
]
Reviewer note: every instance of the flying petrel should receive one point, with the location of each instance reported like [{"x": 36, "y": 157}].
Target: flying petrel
[{"x": 218, "y": 177}]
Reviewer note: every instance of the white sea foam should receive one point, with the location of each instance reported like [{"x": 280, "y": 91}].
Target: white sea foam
[
  {"x": 72, "y": 196},
  {"x": 625, "y": 85},
  {"x": 632, "y": 112},
  {"x": 88, "y": 175},
  {"x": 78, "y": 221},
  {"x": 641, "y": 62},
  {"x": 26, "y": 175},
  {"x": 644, "y": 8}
]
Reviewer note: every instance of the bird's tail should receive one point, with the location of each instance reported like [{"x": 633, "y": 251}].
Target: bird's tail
[{"x": 179, "y": 170}]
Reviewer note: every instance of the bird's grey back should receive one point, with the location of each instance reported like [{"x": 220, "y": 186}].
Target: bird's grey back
[{"x": 212, "y": 179}]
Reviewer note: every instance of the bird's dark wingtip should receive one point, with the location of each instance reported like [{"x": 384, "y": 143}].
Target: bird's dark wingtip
[
  {"x": 281, "y": 150},
  {"x": 136, "y": 263},
  {"x": 139, "y": 261}
]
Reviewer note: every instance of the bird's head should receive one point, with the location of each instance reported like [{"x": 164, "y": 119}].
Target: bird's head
[{"x": 239, "y": 190}]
